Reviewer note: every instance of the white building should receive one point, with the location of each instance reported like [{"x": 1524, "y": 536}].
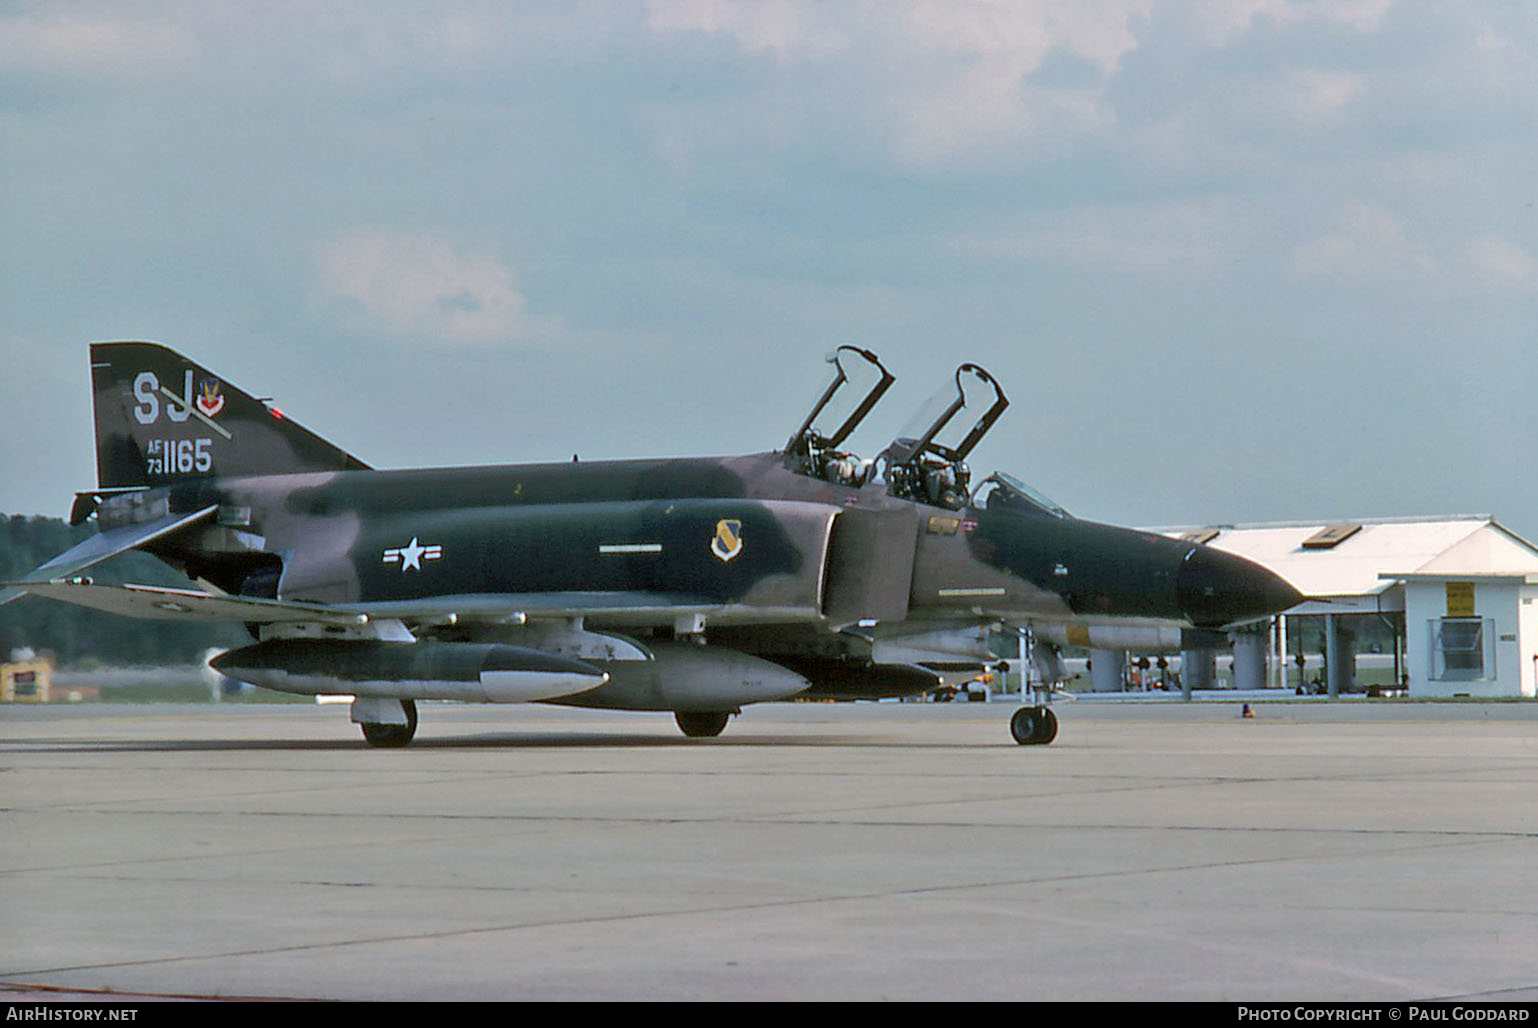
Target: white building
[
  {"x": 1460, "y": 592},
  {"x": 1469, "y": 634}
]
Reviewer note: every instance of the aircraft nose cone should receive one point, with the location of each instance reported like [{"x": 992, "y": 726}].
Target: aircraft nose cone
[{"x": 1216, "y": 588}]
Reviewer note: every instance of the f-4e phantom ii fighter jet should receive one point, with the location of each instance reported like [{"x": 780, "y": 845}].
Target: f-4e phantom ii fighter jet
[{"x": 695, "y": 586}]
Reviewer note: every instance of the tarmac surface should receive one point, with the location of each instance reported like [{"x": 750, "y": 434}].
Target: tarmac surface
[{"x": 1373, "y": 851}]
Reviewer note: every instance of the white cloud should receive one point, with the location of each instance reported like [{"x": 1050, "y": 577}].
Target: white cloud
[
  {"x": 1016, "y": 32},
  {"x": 1177, "y": 240},
  {"x": 1369, "y": 246},
  {"x": 1373, "y": 247},
  {"x": 1502, "y": 265},
  {"x": 419, "y": 287},
  {"x": 962, "y": 75},
  {"x": 1362, "y": 15},
  {"x": 94, "y": 43},
  {"x": 1319, "y": 96},
  {"x": 786, "y": 28},
  {"x": 935, "y": 79},
  {"x": 944, "y": 79},
  {"x": 1220, "y": 21}
]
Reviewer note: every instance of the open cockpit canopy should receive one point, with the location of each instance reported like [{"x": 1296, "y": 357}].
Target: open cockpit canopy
[
  {"x": 927, "y": 462},
  {"x": 954, "y": 420},
  {"x": 858, "y": 382}
]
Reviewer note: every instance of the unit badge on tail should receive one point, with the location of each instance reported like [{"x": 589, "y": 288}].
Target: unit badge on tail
[
  {"x": 210, "y": 399},
  {"x": 727, "y": 542}
]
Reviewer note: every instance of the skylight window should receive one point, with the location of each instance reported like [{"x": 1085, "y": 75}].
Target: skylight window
[{"x": 1331, "y": 536}]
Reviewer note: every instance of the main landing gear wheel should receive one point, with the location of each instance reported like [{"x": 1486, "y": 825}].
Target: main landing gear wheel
[
  {"x": 1033, "y": 726},
  {"x": 393, "y": 736},
  {"x": 697, "y": 725}
]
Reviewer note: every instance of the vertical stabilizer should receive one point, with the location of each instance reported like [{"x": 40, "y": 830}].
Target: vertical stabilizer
[{"x": 160, "y": 418}]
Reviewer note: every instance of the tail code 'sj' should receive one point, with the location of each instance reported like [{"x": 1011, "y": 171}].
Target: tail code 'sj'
[{"x": 161, "y": 418}]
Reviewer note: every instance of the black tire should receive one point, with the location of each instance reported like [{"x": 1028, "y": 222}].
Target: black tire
[
  {"x": 698, "y": 725},
  {"x": 1033, "y": 726},
  {"x": 1022, "y": 726},
  {"x": 1048, "y": 727},
  {"x": 393, "y": 736}
]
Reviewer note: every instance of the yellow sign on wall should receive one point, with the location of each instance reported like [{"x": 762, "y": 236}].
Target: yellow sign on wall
[
  {"x": 25, "y": 681},
  {"x": 1460, "y": 599}
]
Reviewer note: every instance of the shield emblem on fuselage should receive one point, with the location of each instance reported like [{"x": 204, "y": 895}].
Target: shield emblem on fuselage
[{"x": 727, "y": 542}]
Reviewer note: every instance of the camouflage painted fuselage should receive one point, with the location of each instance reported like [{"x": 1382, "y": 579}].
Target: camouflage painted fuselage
[
  {"x": 682, "y": 584},
  {"x": 744, "y": 550}
]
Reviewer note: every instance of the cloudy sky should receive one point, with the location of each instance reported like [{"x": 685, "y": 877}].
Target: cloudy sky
[{"x": 1234, "y": 260}]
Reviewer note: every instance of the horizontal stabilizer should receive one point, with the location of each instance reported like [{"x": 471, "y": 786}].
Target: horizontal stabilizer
[
  {"x": 147, "y": 601},
  {"x": 103, "y": 546}
]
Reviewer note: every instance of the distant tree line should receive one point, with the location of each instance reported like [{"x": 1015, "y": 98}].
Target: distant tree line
[{"x": 74, "y": 635}]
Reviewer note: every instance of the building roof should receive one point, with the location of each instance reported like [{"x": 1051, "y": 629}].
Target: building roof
[{"x": 1356, "y": 564}]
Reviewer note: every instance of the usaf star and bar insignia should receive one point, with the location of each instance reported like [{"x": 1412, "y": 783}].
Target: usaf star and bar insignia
[{"x": 411, "y": 556}]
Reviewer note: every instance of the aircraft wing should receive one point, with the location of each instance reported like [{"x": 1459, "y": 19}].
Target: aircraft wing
[
  {"x": 639, "y": 608},
  {"x": 157, "y": 602},
  {"x": 100, "y": 547},
  {"x": 149, "y": 601}
]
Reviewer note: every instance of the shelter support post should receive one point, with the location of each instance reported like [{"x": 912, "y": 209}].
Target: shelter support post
[
  {"x": 1198, "y": 670},
  {"x": 1250, "y": 657},
  {"x": 1108, "y": 670},
  {"x": 1339, "y": 654}
]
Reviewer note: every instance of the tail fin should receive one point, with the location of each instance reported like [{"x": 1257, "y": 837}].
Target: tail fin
[{"x": 160, "y": 418}]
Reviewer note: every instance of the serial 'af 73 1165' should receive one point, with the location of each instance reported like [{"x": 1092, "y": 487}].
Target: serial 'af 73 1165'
[{"x": 695, "y": 586}]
